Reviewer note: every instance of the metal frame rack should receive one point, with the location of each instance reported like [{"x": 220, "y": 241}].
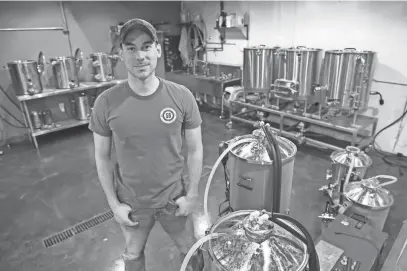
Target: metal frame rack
[
  {"x": 366, "y": 126},
  {"x": 61, "y": 125}
]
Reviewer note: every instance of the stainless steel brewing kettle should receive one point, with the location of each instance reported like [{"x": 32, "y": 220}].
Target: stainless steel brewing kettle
[
  {"x": 66, "y": 70},
  {"x": 103, "y": 65},
  {"x": 81, "y": 107},
  {"x": 26, "y": 75}
]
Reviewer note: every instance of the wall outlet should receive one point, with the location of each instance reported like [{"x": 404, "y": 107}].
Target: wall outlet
[{"x": 62, "y": 107}]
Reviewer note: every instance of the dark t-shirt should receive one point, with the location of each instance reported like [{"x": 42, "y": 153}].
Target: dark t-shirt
[{"x": 147, "y": 135}]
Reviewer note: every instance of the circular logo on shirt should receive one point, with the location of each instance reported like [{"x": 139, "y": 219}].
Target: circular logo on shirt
[{"x": 168, "y": 115}]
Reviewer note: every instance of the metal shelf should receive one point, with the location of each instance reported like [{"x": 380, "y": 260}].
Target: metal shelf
[
  {"x": 55, "y": 92},
  {"x": 60, "y": 125}
]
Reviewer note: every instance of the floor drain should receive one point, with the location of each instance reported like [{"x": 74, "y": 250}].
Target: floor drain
[{"x": 81, "y": 227}]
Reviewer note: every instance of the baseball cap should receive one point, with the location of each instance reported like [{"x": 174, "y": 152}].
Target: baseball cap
[{"x": 137, "y": 24}]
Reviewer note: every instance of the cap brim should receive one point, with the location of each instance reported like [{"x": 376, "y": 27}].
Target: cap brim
[{"x": 138, "y": 27}]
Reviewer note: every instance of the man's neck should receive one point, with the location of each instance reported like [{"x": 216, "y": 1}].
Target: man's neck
[{"x": 144, "y": 87}]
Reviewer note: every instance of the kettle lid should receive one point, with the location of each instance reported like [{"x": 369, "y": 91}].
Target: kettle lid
[
  {"x": 370, "y": 193},
  {"x": 346, "y": 156},
  {"x": 255, "y": 151}
]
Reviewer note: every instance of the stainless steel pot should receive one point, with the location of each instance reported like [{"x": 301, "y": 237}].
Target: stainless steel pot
[
  {"x": 301, "y": 66},
  {"x": 259, "y": 68},
  {"x": 234, "y": 251},
  {"x": 66, "y": 70},
  {"x": 102, "y": 67},
  {"x": 342, "y": 159},
  {"x": 251, "y": 174},
  {"x": 348, "y": 74},
  {"x": 81, "y": 107},
  {"x": 370, "y": 200},
  {"x": 26, "y": 75}
]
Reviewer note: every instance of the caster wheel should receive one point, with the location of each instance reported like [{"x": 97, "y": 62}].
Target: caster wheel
[{"x": 229, "y": 125}]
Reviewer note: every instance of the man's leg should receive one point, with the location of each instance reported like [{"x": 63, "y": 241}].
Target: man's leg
[
  {"x": 136, "y": 239},
  {"x": 181, "y": 231}
]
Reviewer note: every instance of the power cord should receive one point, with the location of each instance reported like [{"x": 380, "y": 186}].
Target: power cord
[{"x": 395, "y": 160}]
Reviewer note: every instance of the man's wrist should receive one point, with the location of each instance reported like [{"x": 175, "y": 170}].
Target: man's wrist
[{"x": 192, "y": 193}]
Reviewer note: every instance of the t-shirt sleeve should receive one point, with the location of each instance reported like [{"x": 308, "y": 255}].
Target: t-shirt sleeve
[
  {"x": 98, "y": 119},
  {"x": 192, "y": 117}
]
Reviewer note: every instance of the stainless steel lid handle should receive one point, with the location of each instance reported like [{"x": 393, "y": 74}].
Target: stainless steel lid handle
[{"x": 391, "y": 178}]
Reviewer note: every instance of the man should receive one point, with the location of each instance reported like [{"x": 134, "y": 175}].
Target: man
[{"x": 146, "y": 118}]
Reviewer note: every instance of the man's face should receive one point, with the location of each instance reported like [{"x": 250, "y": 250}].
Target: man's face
[{"x": 140, "y": 54}]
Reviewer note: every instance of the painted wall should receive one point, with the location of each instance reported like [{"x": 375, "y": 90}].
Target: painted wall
[
  {"x": 89, "y": 24},
  {"x": 377, "y": 26}
]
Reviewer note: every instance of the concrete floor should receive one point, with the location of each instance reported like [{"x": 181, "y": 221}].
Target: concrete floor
[{"x": 44, "y": 193}]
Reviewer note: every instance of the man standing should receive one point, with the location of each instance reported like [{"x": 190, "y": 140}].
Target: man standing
[{"x": 146, "y": 118}]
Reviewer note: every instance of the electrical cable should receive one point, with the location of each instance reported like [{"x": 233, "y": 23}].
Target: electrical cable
[
  {"x": 387, "y": 158},
  {"x": 13, "y": 125},
  {"x": 273, "y": 151},
  {"x": 8, "y": 97},
  {"x": 14, "y": 117}
]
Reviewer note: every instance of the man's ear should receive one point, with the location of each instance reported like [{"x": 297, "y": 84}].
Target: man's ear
[{"x": 159, "y": 50}]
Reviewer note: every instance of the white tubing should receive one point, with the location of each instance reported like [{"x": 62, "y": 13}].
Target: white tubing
[
  {"x": 215, "y": 166},
  {"x": 196, "y": 246}
]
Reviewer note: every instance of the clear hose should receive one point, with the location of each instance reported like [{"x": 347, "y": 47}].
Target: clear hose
[
  {"x": 215, "y": 166},
  {"x": 196, "y": 246}
]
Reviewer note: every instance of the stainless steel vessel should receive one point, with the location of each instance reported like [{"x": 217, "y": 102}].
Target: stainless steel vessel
[
  {"x": 301, "y": 66},
  {"x": 102, "y": 67},
  {"x": 341, "y": 162},
  {"x": 348, "y": 74},
  {"x": 66, "y": 70},
  {"x": 81, "y": 107},
  {"x": 371, "y": 200},
  {"x": 235, "y": 250},
  {"x": 251, "y": 174},
  {"x": 259, "y": 68},
  {"x": 26, "y": 75}
]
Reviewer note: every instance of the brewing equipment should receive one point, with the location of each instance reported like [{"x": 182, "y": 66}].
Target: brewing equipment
[
  {"x": 371, "y": 200},
  {"x": 66, "y": 70},
  {"x": 36, "y": 119},
  {"x": 103, "y": 66},
  {"x": 81, "y": 107},
  {"x": 26, "y": 75},
  {"x": 250, "y": 240},
  {"x": 251, "y": 173},
  {"x": 348, "y": 74},
  {"x": 48, "y": 120},
  {"x": 350, "y": 163},
  {"x": 260, "y": 68},
  {"x": 237, "y": 251},
  {"x": 300, "y": 66}
]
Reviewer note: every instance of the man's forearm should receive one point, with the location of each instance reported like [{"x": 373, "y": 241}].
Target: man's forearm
[
  {"x": 105, "y": 173},
  {"x": 194, "y": 163}
]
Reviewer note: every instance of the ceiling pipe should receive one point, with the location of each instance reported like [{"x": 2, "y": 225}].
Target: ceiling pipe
[{"x": 33, "y": 29}]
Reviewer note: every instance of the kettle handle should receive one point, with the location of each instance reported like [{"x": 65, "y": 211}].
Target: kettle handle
[
  {"x": 41, "y": 63},
  {"x": 79, "y": 58},
  {"x": 392, "y": 179}
]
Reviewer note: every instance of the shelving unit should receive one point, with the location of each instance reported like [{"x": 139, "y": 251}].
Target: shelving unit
[
  {"x": 58, "y": 125},
  {"x": 238, "y": 32}
]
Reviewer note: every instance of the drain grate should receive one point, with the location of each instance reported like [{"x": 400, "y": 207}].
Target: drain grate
[{"x": 81, "y": 227}]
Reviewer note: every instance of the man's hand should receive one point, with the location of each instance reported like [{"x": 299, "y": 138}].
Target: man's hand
[
  {"x": 186, "y": 205},
  {"x": 122, "y": 215}
]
